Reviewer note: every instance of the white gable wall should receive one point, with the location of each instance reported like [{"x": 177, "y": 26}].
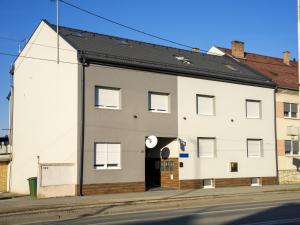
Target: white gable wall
[{"x": 45, "y": 107}]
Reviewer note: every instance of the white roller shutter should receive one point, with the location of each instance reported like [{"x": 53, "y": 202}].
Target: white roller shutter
[
  {"x": 206, "y": 147},
  {"x": 253, "y": 109},
  {"x": 108, "y": 98},
  {"x": 113, "y": 155},
  {"x": 159, "y": 102},
  {"x": 205, "y": 105},
  {"x": 254, "y": 148}
]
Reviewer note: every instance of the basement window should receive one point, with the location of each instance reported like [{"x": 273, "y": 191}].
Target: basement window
[
  {"x": 208, "y": 183},
  {"x": 255, "y": 181},
  {"x": 183, "y": 60}
]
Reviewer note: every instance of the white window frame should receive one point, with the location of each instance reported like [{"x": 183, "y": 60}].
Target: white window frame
[
  {"x": 258, "y": 183},
  {"x": 106, "y": 167},
  {"x": 97, "y": 88},
  {"x": 212, "y": 183},
  {"x": 289, "y": 116},
  {"x": 150, "y": 109},
  {"x": 292, "y": 148},
  {"x": 213, "y": 105},
  {"x": 214, "y": 150},
  {"x": 260, "y": 108},
  {"x": 261, "y": 147}
]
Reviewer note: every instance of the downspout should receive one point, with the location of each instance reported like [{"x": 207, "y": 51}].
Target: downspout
[
  {"x": 83, "y": 64},
  {"x": 275, "y": 132}
]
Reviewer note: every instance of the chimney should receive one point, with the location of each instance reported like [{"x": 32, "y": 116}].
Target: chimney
[
  {"x": 196, "y": 50},
  {"x": 286, "y": 57},
  {"x": 237, "y": 49}
]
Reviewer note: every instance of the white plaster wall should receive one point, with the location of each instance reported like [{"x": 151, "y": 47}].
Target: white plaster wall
[
  {"x": 45, "y": 107},
  {"x": 230, "y": 136}
]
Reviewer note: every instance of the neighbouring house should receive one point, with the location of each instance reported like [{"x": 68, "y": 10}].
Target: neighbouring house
[
  {"x": 283, "y": 72},
  {"x": 5, "y": 159},
  {"x": 80, "y": 123}
]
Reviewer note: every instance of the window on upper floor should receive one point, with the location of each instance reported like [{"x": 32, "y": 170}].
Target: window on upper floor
[
  {"x": 254, "y": 148},
  {"x": 159, "y": 102},
  {"x": 253, "y": 109},
  {"x": 107, "y": 156},
  {"x": 290, "y": 110},
  {"x": 107, "y": 97},
  {"x": 206, "y": 147},
  {"x": 291, "y": 147},
  {"x": 205, "y": 105}
]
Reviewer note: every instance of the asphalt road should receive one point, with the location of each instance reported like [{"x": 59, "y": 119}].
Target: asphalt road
[{"x": 259, "y": 213}]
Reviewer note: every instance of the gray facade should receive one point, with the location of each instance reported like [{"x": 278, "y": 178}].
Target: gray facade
[{"x": 121, "y": 126}]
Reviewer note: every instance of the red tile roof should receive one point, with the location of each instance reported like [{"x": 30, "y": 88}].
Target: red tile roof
[{"x": 285, "y": 76}]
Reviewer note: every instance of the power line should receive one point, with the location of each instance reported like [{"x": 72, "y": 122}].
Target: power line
[{"x": 125, "y": 26}]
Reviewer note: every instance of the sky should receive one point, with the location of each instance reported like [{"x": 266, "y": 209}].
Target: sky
[{"x": 265, "y": 26}]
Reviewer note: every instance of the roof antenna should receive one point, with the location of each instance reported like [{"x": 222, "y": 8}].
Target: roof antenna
[
  {"x": 57, "y": 20},
  {"x": 57, "y": 30}
]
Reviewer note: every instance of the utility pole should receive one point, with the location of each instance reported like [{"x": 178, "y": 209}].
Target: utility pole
[{"x": 57, "y": 17}]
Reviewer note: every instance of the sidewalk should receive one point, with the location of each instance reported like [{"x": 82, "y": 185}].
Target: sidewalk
[{"x": 27, "y": 204}]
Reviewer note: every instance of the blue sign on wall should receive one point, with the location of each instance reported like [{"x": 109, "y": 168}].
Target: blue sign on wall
[{"x": 183, "y": 155}]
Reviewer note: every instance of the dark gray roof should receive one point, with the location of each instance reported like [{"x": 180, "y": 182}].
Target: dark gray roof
[{"x": 124, "y": 52}]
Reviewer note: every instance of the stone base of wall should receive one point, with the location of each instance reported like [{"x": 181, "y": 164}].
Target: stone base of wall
[
  {"x": 190, "y": 184},
  {"x": 227, "y": 182},
  {"x": 3, "y": 176},
  {"x": 232, "y": 182},
  {"x": 289, "y": 176},
  {"x": 109, "y": 188},
  {"x": 269, "y": 180}
]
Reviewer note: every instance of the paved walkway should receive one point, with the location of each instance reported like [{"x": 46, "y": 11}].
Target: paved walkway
[{"x": 29, "y": 203}]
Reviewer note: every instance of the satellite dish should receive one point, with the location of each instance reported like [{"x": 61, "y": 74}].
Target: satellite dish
[{"x": 151, "y": 141}]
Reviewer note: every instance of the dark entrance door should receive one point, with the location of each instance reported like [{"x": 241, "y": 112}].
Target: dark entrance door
[{"x": 152, "y": 171}]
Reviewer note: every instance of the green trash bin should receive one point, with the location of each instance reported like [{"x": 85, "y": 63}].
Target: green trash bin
[{"x": 32, "y": 186}]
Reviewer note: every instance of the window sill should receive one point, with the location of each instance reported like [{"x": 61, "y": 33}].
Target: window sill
[
  {"x": 291, "y": 118},
  {"x": 292, "y": 156},
  {"x": 98, "y": 107},
  {"x": 105, "y": 169},
  {"x": 199, "y": 114},
  {"x": 208, "y": 187},
  {"x": 154, "y": 111},
  {"x": 256, "y": 185}
]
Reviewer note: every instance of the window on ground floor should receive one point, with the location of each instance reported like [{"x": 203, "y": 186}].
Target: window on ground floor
[{"x": 107, "y": 156}]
